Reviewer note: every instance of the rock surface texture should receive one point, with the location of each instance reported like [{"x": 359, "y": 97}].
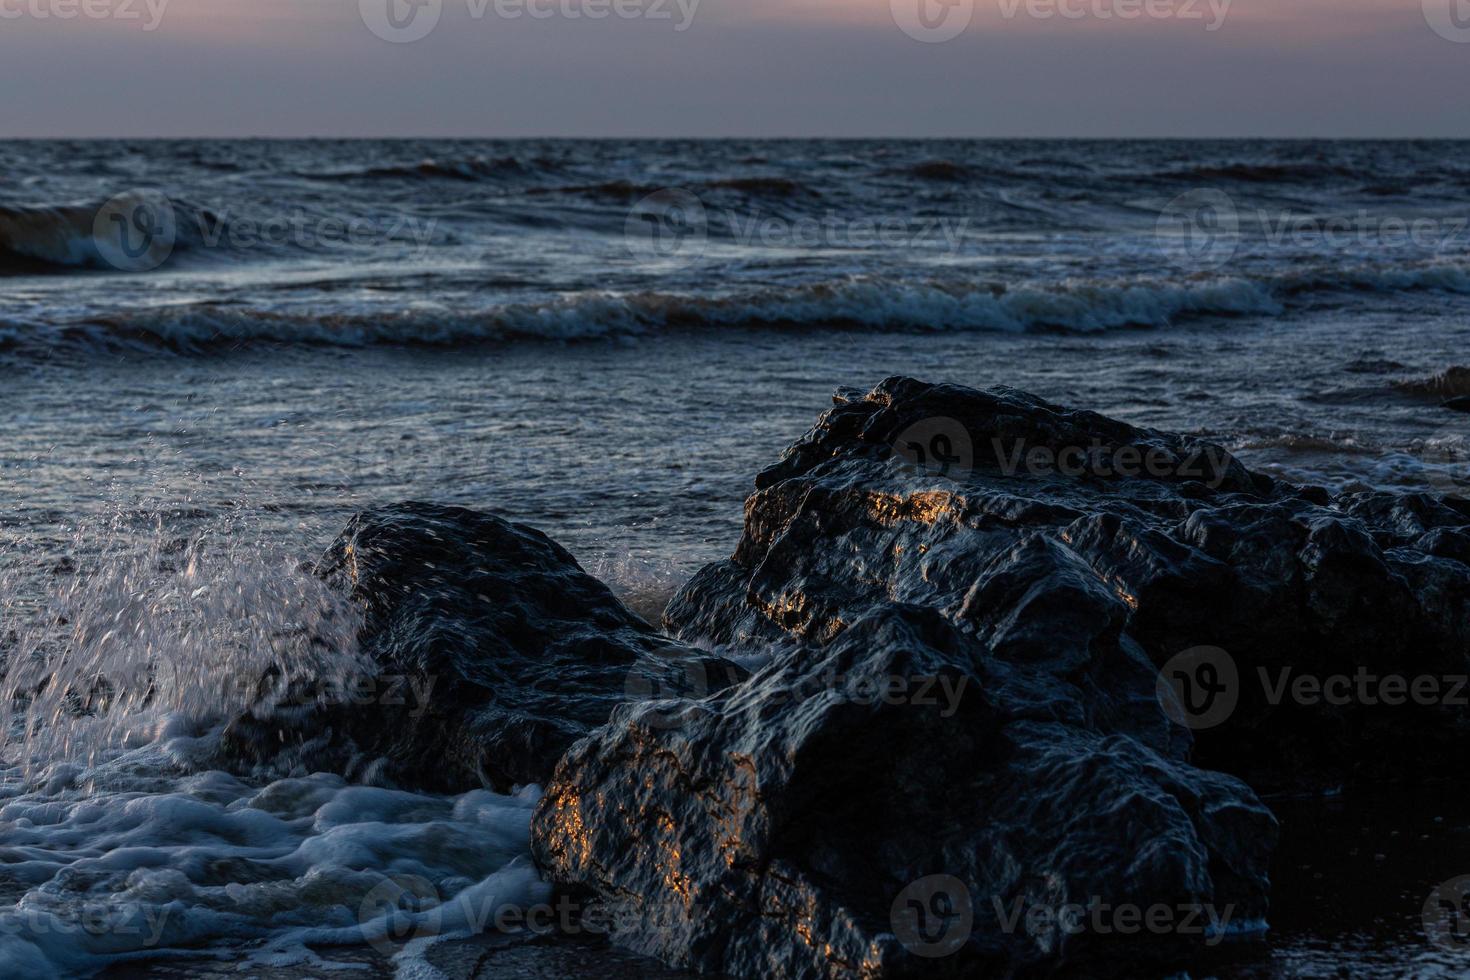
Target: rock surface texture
[
  {"x": 1161, "y": 543},
  {"x": 493, "y": 652},
  {"x": 1009, "y": 641}
]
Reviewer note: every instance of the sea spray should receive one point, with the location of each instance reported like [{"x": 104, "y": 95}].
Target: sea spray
[
  {"x": 122, "y": 843},
  {"x": 164, "y": 634}
]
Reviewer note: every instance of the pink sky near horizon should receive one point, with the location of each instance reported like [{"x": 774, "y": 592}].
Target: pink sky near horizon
[
  {"x": 280, "y": 18},
  {"x": 742, "y": 68}
]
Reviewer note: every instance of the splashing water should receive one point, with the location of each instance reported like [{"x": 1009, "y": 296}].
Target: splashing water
[
  {"x": 175, "y": 638},
  {"x": 119, "y": 842}
]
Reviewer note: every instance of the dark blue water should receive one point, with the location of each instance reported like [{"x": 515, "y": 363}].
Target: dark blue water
[
  {"x": 225, "y": 348},
  {"x": 348, "y": 243}
]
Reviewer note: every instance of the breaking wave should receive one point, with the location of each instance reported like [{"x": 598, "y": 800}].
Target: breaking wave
[
  {"x": 855, "y": 304},
  {"x": 81, "y": 236},
  {"x": 35, "y": 238},
  {"x": 1452, "y": 382},
  {"x": 858, "y": 303},
  {"x": 466, "y": 169}
]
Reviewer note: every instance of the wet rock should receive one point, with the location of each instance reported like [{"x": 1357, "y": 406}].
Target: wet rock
[
  {"x": 839, "y": 813},
  {"x": 894, "y": 803},
  {"x": 1061, "y": 575},
  {"x": 491, "y": 652},
  {"x": 1049, "y": 534},
  {"x": 1461, "y": 404}
]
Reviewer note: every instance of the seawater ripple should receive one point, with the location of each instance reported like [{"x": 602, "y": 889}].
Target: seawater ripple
[{"x": 208, "y": 245}]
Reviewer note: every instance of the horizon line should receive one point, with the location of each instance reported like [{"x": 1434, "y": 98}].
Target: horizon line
[{"x": 763, "y": 139}]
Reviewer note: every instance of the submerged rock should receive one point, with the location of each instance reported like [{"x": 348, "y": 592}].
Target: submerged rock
[{"x": 491, "y": 653}]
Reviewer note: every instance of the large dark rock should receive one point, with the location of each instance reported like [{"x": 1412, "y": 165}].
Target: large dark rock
[
  {"x": 803, "y": 824},
  {"x": 795, "y": 823},
  {"x": 924, "y": 494},
  {"x": 490, "y": 653},
  {"x": 1060, "y": 574}
]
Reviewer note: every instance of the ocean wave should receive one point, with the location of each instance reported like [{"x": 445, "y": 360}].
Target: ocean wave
[
  {"x": 1308, "y": 444},
  {"x": 1452, "y": 382},
  {"x": 467, "y": 169},
  {"x": 935, "y": 170},
  {"x": 950, "y": 171},
  {"x": 1030, "y": 168},
  {"x": 860, "y": 304},
  {"x": 762, "y": 186},
  {"x": 624, "y": 190},
  {"x": 1263, "y": 173},
  {"x": 1435, "y": 276},
  {"x": 1377, "y": 181},
  {"x": 81, "y": 236},
  {"x": 856, "y": 303},
  {"x": 490, "y": 168},
  {"x": 41, "y": 238},
  {"x": 614, "y": 189}
]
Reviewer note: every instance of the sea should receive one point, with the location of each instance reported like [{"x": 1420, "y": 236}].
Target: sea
[{"x": 213, "y": 353}]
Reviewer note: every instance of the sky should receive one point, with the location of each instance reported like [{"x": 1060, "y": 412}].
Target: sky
[{"x": 754, "y": 68}]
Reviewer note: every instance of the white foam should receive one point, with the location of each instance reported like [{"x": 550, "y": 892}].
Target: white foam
[
  {"x": 118, "y": 842},
  {"x": 213, "y": 864}
]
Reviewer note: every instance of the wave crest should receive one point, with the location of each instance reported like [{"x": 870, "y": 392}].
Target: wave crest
[
  {"x": 466, "y": 169},
  {"x": 66, "y": 237},
  {"x": 1263, "y": 173},
  {"x": 858, "y": 303},
  {"x": 1452, "y": 382}
]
